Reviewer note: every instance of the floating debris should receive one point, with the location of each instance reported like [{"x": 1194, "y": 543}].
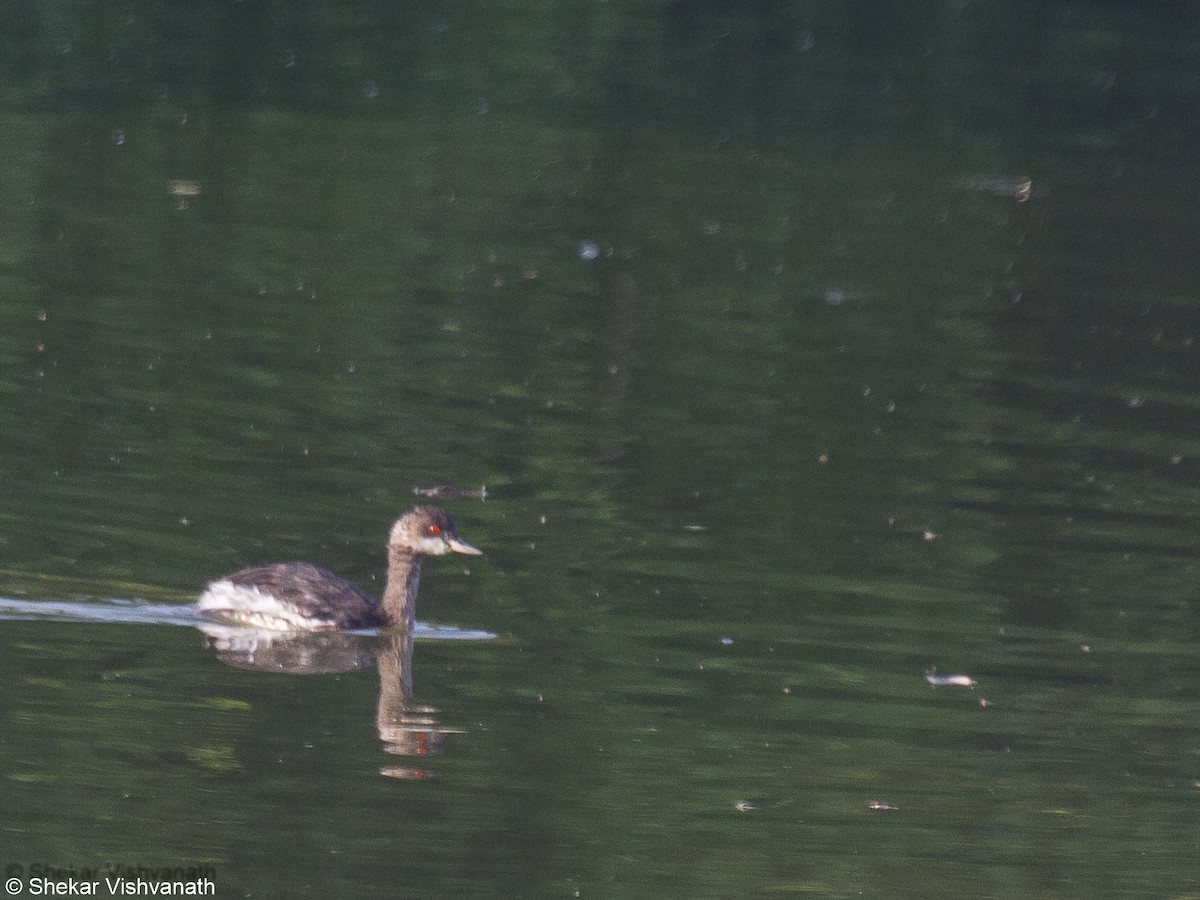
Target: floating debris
[
  {"x": 937, "y": 680},
  {"x": 183, "y": 190},
  {"x": 745, "y": 806},
  {"x": 449, "y": 490},
  {"x": 183, "y": 187},
  {"x": 1018, "y": 187},
  {"x": 407, "y": 773},
  {"x": 880, "y": 804}
]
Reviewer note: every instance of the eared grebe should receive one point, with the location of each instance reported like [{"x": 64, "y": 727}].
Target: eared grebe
[{"x": 304, "y": 597}]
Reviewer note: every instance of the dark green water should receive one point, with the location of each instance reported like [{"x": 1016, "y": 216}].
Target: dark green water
[{"x": 801, "y": 346}]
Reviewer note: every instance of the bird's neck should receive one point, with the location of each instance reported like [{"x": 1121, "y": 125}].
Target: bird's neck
[{"x": 400, "y": 593}]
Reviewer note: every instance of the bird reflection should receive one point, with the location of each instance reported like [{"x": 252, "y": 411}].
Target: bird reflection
[{"x": 406, "y": 728}]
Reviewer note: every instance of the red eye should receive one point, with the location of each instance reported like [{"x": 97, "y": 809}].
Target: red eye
[{"x": 435, "y": 530}]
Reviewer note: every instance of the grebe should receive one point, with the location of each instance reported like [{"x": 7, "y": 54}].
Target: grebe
[{"x": 304, "y": 597}]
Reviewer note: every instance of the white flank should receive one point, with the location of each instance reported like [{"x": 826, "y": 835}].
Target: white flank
[{"x": 250, "y": 606}]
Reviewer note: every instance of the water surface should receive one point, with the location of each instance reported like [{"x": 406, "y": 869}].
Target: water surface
[{"x": 801, "y": 348}]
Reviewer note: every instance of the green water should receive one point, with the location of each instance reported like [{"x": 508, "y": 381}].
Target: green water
[{"x": 801, "y": 347}]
